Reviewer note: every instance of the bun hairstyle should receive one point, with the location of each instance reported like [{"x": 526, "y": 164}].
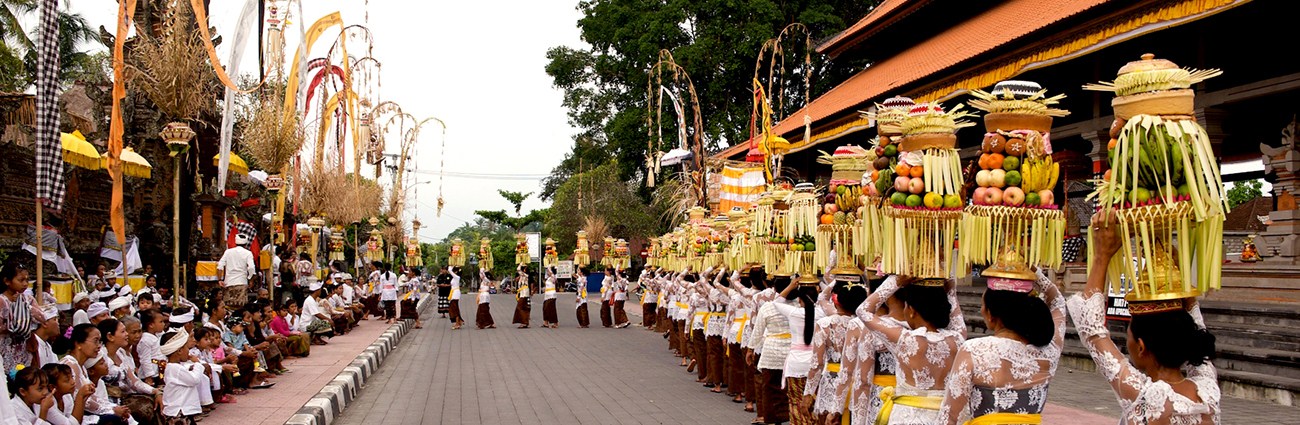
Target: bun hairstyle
[
  {"x": 689, "y": 277},
  {"x": 758, "y": 278},
  {"x": 1174, "y": 338},
  {"x": 779, "y": 283},
  {"x": 931, "y": 302},
  {"x": 849, "y": 297},
  {"x": 1024, "y": 314}
]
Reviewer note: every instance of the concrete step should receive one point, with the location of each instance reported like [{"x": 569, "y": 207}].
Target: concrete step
[
  {"x": 1257, "y": 336},
  {"x": 1250, "y": 314}
]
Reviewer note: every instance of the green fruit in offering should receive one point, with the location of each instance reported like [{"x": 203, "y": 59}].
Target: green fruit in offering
[
  {"x": 914, "y": 200},
  {"x": 1184, "y": 190},
  {"x": 809, "y": 247},
  {"x": 951, "y": 200},
  {"x": 796, "y": 247},
  {"x": 1011, "y": 163},
  {"x": 839, "y": 217},
  {"x": 898, "y": 198},
  {"x": 891, "y": 150},
  {"x": 1141, "y": 195},
  {"x": 840, "y": 190},
  {"x": 1033, "y": 199},
  {"x": 1013, "y": 178}
]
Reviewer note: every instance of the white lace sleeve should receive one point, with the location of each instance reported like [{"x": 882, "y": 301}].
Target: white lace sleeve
[
  {"x": 1090, "y": 321},
  {"x": 819, "y": 359},
  {"x": 891, "y": 330},
  {"x": 957, "y": 390},
  {"x": 956, "y": 322},
  {"x": 1052, "y": 296}
]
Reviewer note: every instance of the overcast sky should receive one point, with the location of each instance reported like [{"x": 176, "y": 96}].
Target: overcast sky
[{"x": 477, "y": 65}]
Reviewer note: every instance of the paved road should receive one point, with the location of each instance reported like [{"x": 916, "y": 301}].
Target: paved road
[
  {"x": 535, "y": 375},
  {"x": 613, "y": 376}
]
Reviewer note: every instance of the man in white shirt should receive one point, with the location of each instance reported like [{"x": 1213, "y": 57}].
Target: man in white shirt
[
  {"x": 236, "y": 267},
  {"x": 47, "y": 329}
]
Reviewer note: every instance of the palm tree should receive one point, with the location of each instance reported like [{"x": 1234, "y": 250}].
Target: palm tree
[
  {"x": 17, "y": 43},
  {"x": 11, "y": 31}
]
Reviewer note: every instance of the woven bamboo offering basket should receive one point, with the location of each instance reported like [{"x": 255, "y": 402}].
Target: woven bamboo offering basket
[{"x": 919, "y": 243}]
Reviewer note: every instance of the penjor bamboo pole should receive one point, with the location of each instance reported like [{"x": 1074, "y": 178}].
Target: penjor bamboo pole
[{"x": 40, "y": 251}]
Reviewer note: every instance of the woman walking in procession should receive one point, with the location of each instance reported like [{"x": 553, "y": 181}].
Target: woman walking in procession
[
  {"x": 523, "y": 304},
  {"x": 444, "y": 291},
  {"x": 580, "y": 302},
  {"x": 1168, "y": 378},
  {"x": 550, "y": 318},
  {"x": 453, "y": 306},
  {"x": 483, "y": 318}
]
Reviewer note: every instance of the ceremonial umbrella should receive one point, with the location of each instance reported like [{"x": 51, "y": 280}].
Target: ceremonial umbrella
[
  {"x": 77, "y": 151},
  {"x": 133, "y": 164},
  {"x": 237, "y": 164}
]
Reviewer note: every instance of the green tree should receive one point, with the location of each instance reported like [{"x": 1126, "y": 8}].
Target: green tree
[
  {"x": 519, "y": 221},
  {"x": 1244, "y": 191},
  {"x": 15, "y": 43},
  {"x": 716, "y": 41},
  {"x": 604, "y": 196}
]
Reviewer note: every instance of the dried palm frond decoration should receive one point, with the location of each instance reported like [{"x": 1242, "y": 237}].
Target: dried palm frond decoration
[
  {"x": 674, "y": 196},
  {"x": 322, "y": 190},
  {"x": 596, "y": 227},
  {"x": 173, "y": 65},
  {"x": 269, "y": 137}
]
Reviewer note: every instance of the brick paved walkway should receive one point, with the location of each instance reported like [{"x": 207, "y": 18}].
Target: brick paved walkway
[
  {"x": 609, "y": 376},
  {"x": 307, "y": 376}
]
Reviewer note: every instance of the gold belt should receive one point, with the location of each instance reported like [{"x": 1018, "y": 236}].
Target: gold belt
[
  {"x": 782, "y": 336},
  {"x": 884, "y": 380},
  {"x": 1007, "y": 418},
  {"x": 833, "y": 367}
]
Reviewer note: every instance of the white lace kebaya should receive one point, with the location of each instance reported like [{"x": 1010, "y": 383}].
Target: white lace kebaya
[
  {"x": 924, "y": 357},
  {"x": 828, "y": 380},
  {"x": 1141, "y": 400},
  {"x": 1000, "y": 375}
]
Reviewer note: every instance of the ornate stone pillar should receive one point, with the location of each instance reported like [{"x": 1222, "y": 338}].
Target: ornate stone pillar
[{"x": 1280, "y": 243}]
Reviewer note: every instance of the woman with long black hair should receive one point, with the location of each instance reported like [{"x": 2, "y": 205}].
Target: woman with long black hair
[
  {"x": 798, "y": 303},
  {"x": 924, "y": 343},
  {"x": 827, "y": 390},
  {"x": 1003, "y": 378},
  {"x": 1169, "y": 377}
]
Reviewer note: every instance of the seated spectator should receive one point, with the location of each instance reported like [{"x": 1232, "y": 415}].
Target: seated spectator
[
  {"x": 68, "y": 408},
  {"x": 255, "y": 330},
  {"x": 284, "y": 323},
  {"x": 181, "y": 401},
  {"x": 251, "y": 361},
  {"x": 32, "y": 402},
  {"x": 315, "y": 321}
]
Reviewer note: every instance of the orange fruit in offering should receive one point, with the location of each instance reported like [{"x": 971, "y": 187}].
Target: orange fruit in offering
[{"x": 917, "y": 171}]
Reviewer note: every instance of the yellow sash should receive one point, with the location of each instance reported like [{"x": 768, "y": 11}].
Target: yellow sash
[
  {"x": 718, "y": 314},
  {"x": 741, "y": 320},
  {"x": 1007, "y": 418},
  {"x": 920, "y": 402},
  {"x": 833, "y": 367},
  {"x": 683, "y": 306},
  {"x": 846, "y": 416},
  {"x": 884, "y": 380},
  {"x": 782, "y": 336}
]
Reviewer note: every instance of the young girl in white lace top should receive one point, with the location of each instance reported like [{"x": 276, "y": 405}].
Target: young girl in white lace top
[
  {"x": 1169, "y": 378},
  {"x": 924, "y": 345},
  {"x": 1003, "y": 378}
]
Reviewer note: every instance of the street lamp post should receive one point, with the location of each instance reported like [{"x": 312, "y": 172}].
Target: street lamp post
[{"x": 177, "y": 135}]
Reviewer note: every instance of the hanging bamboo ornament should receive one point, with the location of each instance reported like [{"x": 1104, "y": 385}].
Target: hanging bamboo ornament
[
  {"x": 1013, "y": 209},
  {"x": 1165, "y": 185}
]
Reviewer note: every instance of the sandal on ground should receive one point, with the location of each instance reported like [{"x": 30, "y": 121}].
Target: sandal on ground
[{"x": 263, "y": 385}]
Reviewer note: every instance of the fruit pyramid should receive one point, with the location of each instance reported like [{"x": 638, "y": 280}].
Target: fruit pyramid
[
  {"x": 843, "y": 204},
  {"x": 799, "y": 227},
  {"x": 1164, "y": 184},
  {"x": 457, "y": 255},
  {"x": 485, "y": 254},
  {"x": 581, "y": 250},
  {"x": 1013, "y": 207},
  {"x": 551, "y": 257},
  {"x": 879, "y": 179},
  {"x": 922, "y": 209}
]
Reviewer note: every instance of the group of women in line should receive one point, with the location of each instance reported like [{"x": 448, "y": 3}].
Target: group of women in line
[{"x": 894, "y": 349}]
